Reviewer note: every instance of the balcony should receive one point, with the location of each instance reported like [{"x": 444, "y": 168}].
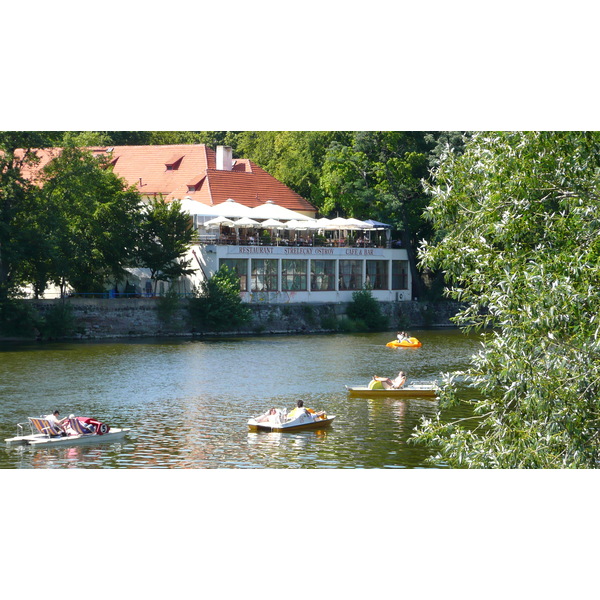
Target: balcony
[{"x": 231, "y": 239}]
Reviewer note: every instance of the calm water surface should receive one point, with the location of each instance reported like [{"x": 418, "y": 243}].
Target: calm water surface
[{"x": 188, "y": 402}]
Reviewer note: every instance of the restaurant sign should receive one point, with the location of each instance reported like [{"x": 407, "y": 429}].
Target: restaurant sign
[{"x": 304, "y": 251}]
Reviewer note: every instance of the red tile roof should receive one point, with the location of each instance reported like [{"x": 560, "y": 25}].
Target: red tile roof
[{"x": 145, "y": 167}]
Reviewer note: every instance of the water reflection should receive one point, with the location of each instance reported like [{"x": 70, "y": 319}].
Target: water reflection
[{"x": 188, "y": 402}]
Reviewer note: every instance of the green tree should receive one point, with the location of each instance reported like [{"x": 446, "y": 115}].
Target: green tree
[
  {"x": 379, "y": 175},
  {"x": 218, "y": 305},
  {"x": 19, "y": 207},
  {"x": 293, "y": 157},
  {"x": 144, "y": 138},
  {"x": 519, "y": 241},
  {"x": 165, "y": 236},
  {"x": 90, "y": 220}
]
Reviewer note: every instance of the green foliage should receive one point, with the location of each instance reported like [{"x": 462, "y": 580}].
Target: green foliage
[
  {"x": 218, "y": 306},
  {"x": 143, "y": 138},
  {"x": 58, "y": 321},
  {"x": 167, "y": 306},
  {"x": 17, "y": 318},
  {"x": 83, "y": 139},
  {"x": 518, "y": 229},
  {"x": 88, "y": 219},
  {"x": 366, "y": 311},
  {"x": 165, "y": 236},
  {"x": 20, "y": 242},
  {"x": 379, "y": 175},
  {"x": 293, "y": 157}
]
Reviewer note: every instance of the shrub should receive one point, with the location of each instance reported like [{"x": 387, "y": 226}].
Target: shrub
[
  {"x": 218, "y": 306},
  {"x": 17, "y": 318},
  {"x": 58, "y": 321},
  {"x": 167, "y": 307},
  {"x": 365, "y": 308}
]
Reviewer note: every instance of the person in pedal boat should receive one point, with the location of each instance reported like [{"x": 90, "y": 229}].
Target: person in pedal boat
[
  {"x": 58, "y": 423},
  {"x": 299, "y": 409},
  {"x": 270, "y": 415},
  {"x": 392, "y": 384}
]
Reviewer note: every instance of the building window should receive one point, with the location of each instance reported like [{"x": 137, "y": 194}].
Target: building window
[
  {"x": 322, "y": 275},
  {"x": 399, "y": 274},
  {"x": 173, "y": 163},
  {"x": 240, "y": 267},
  {"x": 350, "y": 274},
  {"x": 377, "y": 274},
  {"x": 294, "y": 275},
  {"x": 264, "y": 275}
]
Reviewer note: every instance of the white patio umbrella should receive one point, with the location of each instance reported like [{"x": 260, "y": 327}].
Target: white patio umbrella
[
  {"x": 295, "y": 224},
  {"x": 217, "y": 222},
  {"x": 340, "y": 223},
  {"x": 246, "y": 222},
  {"x": 231, "y": 208},
  {"x": 273, "y": 224},
  {"x": 314, "y": 224},
  {"x": 360, "y": 224},
  {"x": 270, "y": 210},
  {"x": 193, "y": 207},
  {"x": 196, "y": 210}
]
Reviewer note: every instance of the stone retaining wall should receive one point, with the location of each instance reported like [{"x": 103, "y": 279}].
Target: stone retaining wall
[{"x": 139, "y": 317}]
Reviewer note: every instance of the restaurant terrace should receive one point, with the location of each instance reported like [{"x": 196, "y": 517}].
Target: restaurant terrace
[{"x": 283, "y": 256}]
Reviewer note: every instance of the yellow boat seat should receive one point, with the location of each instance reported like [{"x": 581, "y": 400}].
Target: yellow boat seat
[{"x": 375, "y": 385}]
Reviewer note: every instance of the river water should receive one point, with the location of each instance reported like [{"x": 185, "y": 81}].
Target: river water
[{"x": 188, "y": 401}]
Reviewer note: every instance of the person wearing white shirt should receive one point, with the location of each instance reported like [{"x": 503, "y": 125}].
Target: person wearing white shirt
[{"x": 54, "y": 420}]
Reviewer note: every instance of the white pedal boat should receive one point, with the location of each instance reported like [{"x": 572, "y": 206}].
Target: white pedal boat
[
  {"x": 279, "y": 422},
  {"x": 41, "y": 435}
]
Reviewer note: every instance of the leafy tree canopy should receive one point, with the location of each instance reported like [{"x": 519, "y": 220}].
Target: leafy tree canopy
[
  {"x": 218, "y": 305},
  {"x": 90, "y": 220},
  {"x": 19, "y": 230},
  {"x": 165, "y": 236},
  {"x": 518, "y": 236}
]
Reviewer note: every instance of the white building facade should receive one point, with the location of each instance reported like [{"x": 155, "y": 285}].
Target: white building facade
[{"x": 285, "y": 274}]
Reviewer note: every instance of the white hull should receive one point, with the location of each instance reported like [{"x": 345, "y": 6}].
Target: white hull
[
  {"x": 39, "y": 440},
  {"x": 301, "y": 422}
]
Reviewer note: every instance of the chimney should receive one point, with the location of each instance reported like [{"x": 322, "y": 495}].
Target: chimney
[{"x": 224, "y": 159}]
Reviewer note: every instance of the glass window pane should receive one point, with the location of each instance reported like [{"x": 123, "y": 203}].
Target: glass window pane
[
  {"x": 294, "y": 275},
  {"x": 377, "y": 274},
  {"x": 399, "y": 274},
  {"x": 239, "y": 267},
  {"x": 264, "y": 275},
  {"x": 322, "y": 275},
  {"x": 350, "y": 274}
]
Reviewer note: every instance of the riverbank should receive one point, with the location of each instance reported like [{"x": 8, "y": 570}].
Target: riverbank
[{"x": 143, "y": 317}]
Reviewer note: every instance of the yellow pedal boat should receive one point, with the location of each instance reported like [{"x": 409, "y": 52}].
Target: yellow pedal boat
[
  {"x": 411, "y": 342},
  {"x": 410, "y": 391}
]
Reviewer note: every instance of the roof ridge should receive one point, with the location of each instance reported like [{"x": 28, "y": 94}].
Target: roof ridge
[{"x": 143, "y": 146}]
